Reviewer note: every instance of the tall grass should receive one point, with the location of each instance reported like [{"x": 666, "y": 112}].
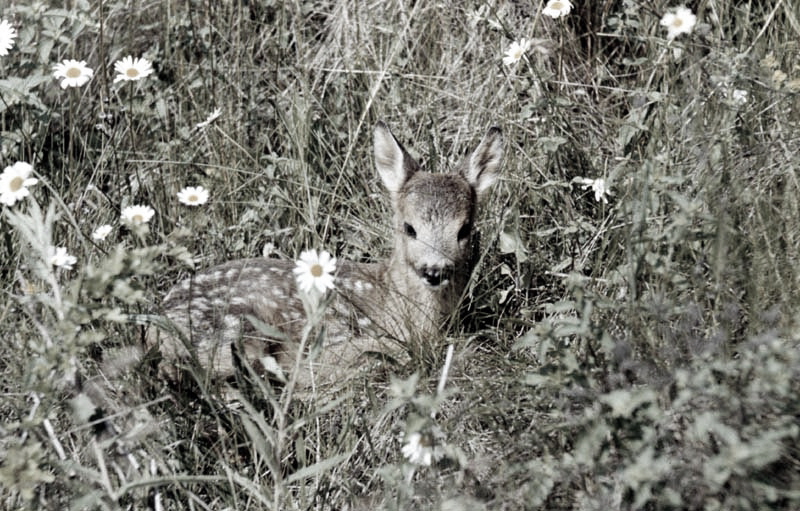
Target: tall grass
[{"x": 635, "y": 354}]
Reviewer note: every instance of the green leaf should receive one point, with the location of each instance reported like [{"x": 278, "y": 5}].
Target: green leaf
[
  {"x": 15, "y": 91},
  {"x": 268, "y": 330},
  {"x": 82, "y": 408},
  {"x": 271, "y": 366},
  {"x": 317, "y": 468},
  {"x": 551, "y": 144},
  {"x": 536, "y": 380},
  {"x": 511, "y": 243},
  {"x": 625, "y": 402}
]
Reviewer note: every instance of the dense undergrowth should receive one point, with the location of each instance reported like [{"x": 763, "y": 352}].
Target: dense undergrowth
[{"x": 637, "y": 349}]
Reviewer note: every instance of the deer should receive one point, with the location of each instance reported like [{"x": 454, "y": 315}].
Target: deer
[{"x": 250, "y": 309}]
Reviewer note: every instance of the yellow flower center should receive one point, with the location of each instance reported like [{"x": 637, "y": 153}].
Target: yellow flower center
[
  {"x": 16, "y": 184},
  {"x": 677, "y": 23},
  {"x": 73, "y": 72},
  {"x": 316, "y": 271},
  {"x": 557, "y": 6},
  {"x": 193, "y": 198},
  {"x": 132, "y": 72},
  {"x": 137, "y": 219}
]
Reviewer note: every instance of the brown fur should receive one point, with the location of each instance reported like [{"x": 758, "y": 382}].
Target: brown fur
[{"x": 376, "y": 307}]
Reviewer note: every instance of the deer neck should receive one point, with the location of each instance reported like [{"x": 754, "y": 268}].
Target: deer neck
[{"x": 423, "y": 309}]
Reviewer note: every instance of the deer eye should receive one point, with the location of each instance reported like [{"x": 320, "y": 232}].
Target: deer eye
[
  {"x": 410, "y": 232},
  {"x": 464, "y": 232}
]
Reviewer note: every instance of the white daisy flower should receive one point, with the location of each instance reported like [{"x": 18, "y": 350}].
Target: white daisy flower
[
  {"x": 739, "y": 96},
  {"x": 557, "y": 8},
  {"x": 193, "y": 196},
  {"x": 515, "y": 52},
  {"x": 213, "y": 116},
  {"x": 7, "y": 36},
  {"x": 14, "y": 183},
  {"x": 61, "y": 259},
  {"x": 598, "y": 186},
  {"x": 418, "y": 449},
  {"x": 102, "y": 232},
  {"x": 130, "y": 69},
  {"x": 681, "y": 21},
  {"x": 136, "y": 215},
  {"x": 315, "y": 272},
  {"x": 72, "y": 73}
]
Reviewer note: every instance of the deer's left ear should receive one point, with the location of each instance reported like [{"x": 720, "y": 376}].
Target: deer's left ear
[{"x": 483, "y": 166}]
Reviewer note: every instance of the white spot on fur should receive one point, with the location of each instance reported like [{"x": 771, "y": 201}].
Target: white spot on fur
[
  {"x": 198, "y": 317},
  {"x": 250, "y": 272},
  {"x": 198, "y": 304},
  {"x": 341, "y": 307},
  {"x": 201, "y": 279},
  {"x": 231, "y": 322}
]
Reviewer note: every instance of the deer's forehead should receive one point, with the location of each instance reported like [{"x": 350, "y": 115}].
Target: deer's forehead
[{"x": 437, "y": 197}]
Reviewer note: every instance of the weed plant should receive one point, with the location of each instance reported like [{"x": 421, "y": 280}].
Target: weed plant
[{"x": 630, "y": 343}]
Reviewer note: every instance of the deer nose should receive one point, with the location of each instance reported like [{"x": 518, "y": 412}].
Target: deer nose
[{"x": 435, "y": 276}]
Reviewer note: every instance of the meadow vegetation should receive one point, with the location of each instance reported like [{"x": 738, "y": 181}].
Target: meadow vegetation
[{"x": 625, "y": 344}]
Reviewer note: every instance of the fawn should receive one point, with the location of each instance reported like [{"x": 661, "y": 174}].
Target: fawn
[{"x": 376, "y": 307}]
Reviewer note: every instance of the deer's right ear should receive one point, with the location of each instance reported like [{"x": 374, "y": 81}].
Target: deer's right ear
[
  {"x": 483, "y": 165},
  {"x": 394, "y": 164}
]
